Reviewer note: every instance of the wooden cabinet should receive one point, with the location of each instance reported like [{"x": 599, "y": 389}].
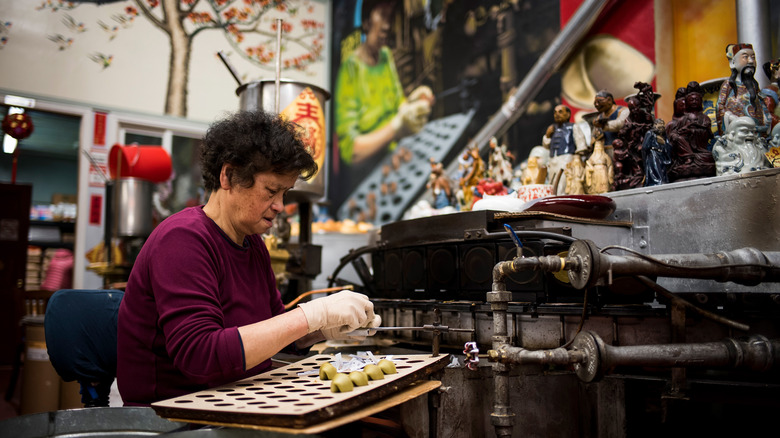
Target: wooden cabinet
[{"x": 14, "y": 227}]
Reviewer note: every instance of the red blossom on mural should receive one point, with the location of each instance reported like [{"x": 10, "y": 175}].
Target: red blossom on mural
[
  {"x": 200, "y": 17},
  {"x": 286, "y": 26}
]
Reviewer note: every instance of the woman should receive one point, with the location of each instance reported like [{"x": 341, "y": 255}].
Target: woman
[
  {"x": 201, "y": 306},
  {"x": 372, "y": 113}
]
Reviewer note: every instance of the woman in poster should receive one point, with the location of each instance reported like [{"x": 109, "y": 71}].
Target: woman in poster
[{"x": 372, "y": 113}]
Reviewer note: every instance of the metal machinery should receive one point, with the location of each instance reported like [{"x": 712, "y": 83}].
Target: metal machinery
[{"x": 662, "y": 317}]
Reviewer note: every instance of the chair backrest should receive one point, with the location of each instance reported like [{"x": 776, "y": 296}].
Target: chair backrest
[{"x": 81, "y": 328}]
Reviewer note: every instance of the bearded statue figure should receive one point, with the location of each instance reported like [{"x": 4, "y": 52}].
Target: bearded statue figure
[
  {"x": 740, "y": 150},
  {"x": 740, "y": 94}
]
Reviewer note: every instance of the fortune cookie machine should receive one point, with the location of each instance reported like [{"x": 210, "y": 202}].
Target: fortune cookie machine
[{"x": 580, "y": 321}]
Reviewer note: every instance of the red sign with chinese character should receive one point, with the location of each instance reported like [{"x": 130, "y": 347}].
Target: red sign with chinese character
[
  {"x": 95, "y": 209},
  {"x": 307, "y": 112},
  {"x": 99, "y": 137}
]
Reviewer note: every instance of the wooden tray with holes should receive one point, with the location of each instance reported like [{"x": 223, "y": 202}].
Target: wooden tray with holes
[{"x": 284, "y": 397}]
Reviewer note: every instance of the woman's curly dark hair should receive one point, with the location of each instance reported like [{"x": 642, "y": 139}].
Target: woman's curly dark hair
[{"x": 254, "y": 142}]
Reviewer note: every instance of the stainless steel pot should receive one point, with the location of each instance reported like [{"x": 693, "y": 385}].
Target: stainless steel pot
[
  {"x": 262, "y": 95},
  {"x": 131, "y": 207}
]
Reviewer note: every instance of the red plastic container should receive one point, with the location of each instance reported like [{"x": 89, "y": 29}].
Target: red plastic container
[{"x": 151, "y": 163}]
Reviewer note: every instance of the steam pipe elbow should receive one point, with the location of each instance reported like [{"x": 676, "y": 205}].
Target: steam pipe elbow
[{"x": 501, "y": 270}]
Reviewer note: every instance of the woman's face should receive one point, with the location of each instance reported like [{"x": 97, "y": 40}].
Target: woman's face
[
  {"x": 378, "y": 26},
  {"x": 255, "y": 208}
]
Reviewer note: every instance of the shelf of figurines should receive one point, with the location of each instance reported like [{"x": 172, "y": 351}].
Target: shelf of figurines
[{"x": 620, "y": 148}]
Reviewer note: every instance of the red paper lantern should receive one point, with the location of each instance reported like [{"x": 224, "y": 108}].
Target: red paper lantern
[{"x": 17, "y": 125}]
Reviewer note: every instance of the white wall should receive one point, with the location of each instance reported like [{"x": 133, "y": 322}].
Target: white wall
[{"x": 136, "y": 79}]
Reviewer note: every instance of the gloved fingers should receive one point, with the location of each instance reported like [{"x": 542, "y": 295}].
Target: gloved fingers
[
  {"x": 349, "y": 309},
  {"x": 340, "y": 334},
  {"x": 376, "y": 321},
  {"x": 342, "y": 308},
  {"x": 421, "y": 92},
  {"x": 419, "y": 108}
]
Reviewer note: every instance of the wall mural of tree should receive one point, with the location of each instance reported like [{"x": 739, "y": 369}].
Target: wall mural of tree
[
  {"x": 144, "y": 54},
  {"x": 248, "y": 27}
]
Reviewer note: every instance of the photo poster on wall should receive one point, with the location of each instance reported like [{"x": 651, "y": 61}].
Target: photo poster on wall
[
  {"x": 617, "y": 52},
  {"x": 462, "y": 57},
  {"x": 141, "y": 56}
]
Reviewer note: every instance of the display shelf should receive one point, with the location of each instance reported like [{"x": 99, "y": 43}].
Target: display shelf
[{"x": 49, "y": 234}]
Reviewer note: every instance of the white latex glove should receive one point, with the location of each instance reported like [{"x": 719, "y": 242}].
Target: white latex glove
[
  {"x": 345, "y": 309},
  {"x": 411, "y": 117},
  {"x": 340, "y": 333}
]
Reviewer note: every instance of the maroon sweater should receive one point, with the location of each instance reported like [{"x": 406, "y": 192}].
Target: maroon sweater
[{"x": 189, "y": 290}]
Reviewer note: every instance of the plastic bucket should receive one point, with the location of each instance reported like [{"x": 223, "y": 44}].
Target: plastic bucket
[{"x": 151, "y": 163}]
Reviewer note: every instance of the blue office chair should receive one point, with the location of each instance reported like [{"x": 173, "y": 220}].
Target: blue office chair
[{"x": 80, "y": 328}]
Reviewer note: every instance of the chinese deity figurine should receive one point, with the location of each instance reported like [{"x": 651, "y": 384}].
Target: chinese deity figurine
[
  {"x": 679, "y": 110},
  {"x": 628, "y": 171},
  {"x": 690, "y": 139},
  {"x": 772, "y": 92},
  {"x": 440, "y": 186},
  {"x": 500, "y": 163},
  {"x": 563, "y": 139},
  {"x": 656, "y": 154},
  {"x": 575, "y": 177},
  {"x": 740, "y": 149},
  {"x": 474, "y": 173},
  {"x": 599, "y": 173},
  {"x": 611, "y": 117},
  {"x": 740, "y": 95}
]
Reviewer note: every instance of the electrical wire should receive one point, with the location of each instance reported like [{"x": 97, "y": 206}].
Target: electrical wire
[
  {"x": 292, "y": 303},
  {"x": 514, "y": 236},
  {"x": 582, "y": 320},
  {"x": 707, "y": 314}
]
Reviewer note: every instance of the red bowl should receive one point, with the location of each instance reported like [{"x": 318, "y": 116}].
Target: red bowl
[{"x": 584, "y": 206}]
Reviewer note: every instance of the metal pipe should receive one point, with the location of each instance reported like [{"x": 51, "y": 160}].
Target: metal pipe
[
  {"x": 757, "y": 353},
  {"x": 541, "y": 263},
  {"x": 593, "y": 358},
  {"x": 521, "y": 356},
  {"x": 593, "y": 267},
  {"x": 550, "y": 61},
  {"x": 563, "y": 44},
  {"x": 502, "y": 416},
  {"x": 753, "y": 27},
  {"x": 747, "y": 266},
  {"x": 278, "y": 63}
]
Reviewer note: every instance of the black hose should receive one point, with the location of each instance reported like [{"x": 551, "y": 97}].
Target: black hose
[{"x": 355, "y": 253}]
